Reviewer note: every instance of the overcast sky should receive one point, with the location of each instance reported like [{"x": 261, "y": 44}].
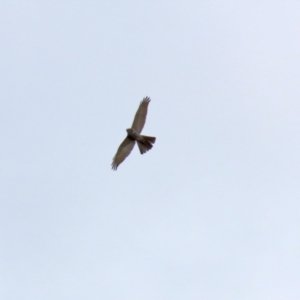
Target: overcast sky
[{"x": 211, "y": 212}]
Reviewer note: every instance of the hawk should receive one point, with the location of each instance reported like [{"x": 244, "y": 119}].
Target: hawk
[{"x": 133, "y": 135}]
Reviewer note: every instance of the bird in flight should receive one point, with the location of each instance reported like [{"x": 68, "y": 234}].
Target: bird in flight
[{"x": 133, "y": 135}]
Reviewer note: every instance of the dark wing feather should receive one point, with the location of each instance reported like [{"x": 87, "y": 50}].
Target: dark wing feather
[
  {"x": 140, "y": 116},
  {"x": 123, "y": 151}
]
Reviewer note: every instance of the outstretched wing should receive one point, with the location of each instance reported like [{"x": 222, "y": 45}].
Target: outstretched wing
[
  {"x": 140, "y": 116},
  {"x": 123, "y": 151}
]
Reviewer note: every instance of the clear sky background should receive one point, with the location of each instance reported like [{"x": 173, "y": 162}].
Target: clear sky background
[{"x": 211, "y": 212}]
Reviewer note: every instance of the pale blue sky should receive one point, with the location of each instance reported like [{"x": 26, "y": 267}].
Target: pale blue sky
[{"x": 211, "y": 212}]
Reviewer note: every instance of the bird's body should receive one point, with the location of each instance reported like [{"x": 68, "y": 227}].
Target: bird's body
[
  {"x": 133, "y": 136},
  {"x": 132, "y": 133}
]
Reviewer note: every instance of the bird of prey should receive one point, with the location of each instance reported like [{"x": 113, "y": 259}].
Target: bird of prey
[{"x": 133, "y": 135}]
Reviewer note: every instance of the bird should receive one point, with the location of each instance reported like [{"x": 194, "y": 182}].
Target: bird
[{"x": 144, "y": 142}]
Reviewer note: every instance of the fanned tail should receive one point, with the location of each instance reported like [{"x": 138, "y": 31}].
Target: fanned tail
[{"x": 145, "y": 143}]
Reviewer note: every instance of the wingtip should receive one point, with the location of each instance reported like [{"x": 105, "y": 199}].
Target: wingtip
[
  {"x": 146, "y": 99},
  {"x": 114, "y": 167}
]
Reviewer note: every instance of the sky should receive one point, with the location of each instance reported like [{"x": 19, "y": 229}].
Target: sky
[{"x": 211, "y": 212}]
